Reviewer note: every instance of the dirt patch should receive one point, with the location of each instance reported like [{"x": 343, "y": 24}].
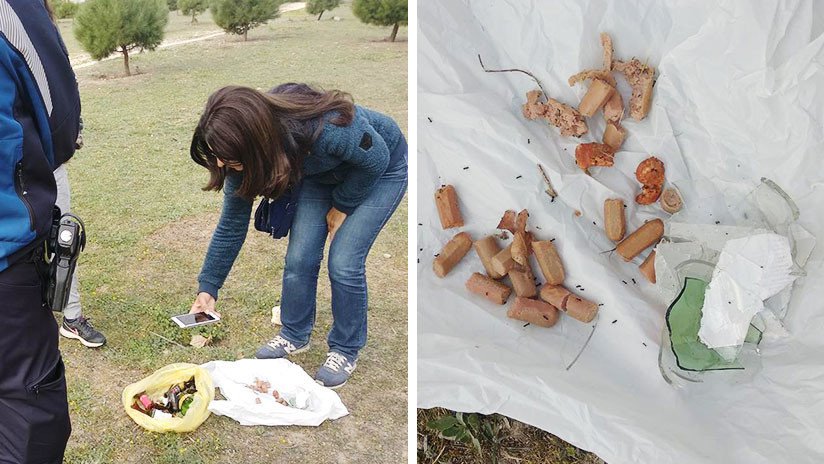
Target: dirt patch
[
  {"x": 182, "y": 234},
  {"x": 189, "y": 238},
  {"x": 505, "y": 440},
  {"x": 169, "y": 259},
  {"x": 85, "y": 60},
  {"x": 292, "y": 6}
]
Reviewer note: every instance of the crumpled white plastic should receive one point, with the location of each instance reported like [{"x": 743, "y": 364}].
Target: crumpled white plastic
[
  {"x": 739, "y": 96},
  {"x": 749, "y": 271},
  {"x": 313, "y": 403}
]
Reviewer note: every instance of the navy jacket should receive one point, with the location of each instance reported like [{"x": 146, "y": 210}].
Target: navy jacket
[{"x": 39, "y": 123}]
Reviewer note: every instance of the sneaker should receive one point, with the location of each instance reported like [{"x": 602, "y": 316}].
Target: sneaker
[
  {"x": 336, "y": 370},
  {"x": 279, "y": 347},
  {"x": 83, "y": 330}
]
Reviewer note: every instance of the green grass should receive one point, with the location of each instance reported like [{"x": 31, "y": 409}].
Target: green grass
[{"x": 149, "y": 225}]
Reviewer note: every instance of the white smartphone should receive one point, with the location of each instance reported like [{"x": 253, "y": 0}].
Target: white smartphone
[{"x": 184, "y": 321}]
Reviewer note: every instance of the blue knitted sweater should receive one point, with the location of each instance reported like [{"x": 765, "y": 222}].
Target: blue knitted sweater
[{"x": 361, "y": 150}]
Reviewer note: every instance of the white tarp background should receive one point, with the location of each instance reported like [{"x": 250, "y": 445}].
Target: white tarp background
[{"x": 740, "y": 95}]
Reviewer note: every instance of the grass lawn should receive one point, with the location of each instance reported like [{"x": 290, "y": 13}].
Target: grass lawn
[{"x": 149, "y": 225}]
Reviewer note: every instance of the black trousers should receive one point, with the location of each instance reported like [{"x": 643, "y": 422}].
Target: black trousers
[{"x": 34, "y": 410}]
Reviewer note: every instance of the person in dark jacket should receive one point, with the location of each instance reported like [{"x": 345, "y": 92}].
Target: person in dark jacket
[
  {"x": 75, "y": 326},
  {"x": 39, "y": 124},
  {"x": 348, "y": 165}
]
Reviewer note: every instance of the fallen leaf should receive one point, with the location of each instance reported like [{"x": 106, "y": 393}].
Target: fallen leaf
[{"x": 199, "y": 341}]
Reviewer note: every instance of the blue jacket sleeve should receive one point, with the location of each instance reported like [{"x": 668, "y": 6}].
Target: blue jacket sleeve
[
  {"x": 227, "y": 239},
  {"x": 359, "y": 145}
]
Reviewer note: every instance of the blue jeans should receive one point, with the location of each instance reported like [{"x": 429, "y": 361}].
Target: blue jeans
[{"x": 347, "y": 259}]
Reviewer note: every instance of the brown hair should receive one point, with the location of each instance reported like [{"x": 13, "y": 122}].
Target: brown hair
[{"x": 269, "y": 134}]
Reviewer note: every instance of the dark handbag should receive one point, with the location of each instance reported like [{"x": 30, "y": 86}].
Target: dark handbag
[{"x": 275, "y": 216}]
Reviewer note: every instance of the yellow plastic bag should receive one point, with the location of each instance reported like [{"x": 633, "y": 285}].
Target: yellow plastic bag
[{"x": 158, "y": 383}]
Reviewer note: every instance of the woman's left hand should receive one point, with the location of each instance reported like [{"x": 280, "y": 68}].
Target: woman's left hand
[{"x": 334, "y": 219}]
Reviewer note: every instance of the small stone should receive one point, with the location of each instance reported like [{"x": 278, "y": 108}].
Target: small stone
[{"x": 387, "y": 255}]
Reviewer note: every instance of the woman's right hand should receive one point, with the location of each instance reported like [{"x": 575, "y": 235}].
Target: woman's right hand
[{"x": 204, "y": 303}]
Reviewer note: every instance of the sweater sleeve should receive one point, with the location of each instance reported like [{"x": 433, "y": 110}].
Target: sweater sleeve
[
  {"x": 227, "y": 239},
  {"x": 359, "y": 145}
]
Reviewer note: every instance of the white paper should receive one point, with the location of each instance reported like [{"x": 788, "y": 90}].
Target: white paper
[
  {"x": 749, "y": 271},
  {"x": 739, "y": 96},
  {"x": 313, "y": 403}
]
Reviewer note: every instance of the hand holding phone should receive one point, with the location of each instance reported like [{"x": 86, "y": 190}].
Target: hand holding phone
[
  {"x": 204, "y": 303},
  {"x": 185, "y": 321},
  {"x": 202, "y": 312}
]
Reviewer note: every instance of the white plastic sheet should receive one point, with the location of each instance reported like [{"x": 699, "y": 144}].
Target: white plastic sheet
[
  {"x": 313, "y": 404},
  {"x": 740, "y": 95}
]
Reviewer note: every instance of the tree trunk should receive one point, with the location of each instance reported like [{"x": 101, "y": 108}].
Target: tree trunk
[
  {"x": 125, "y": 52},
  {"x": 319, "y": 16},
  {"x": 194, "y": 20},
  {"x": 246, "y": 35},
  {"x": 394, "y": 32}
]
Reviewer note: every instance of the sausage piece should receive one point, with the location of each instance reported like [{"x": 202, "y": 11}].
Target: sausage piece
[
  {"x": 597, "y": 94},
  {"x": 452, "y": 253},
  {"x": 646, "y": 236},
  {"x": 615, "y": 223},
  {"x": 523, "y": 281},
  {"x": 487, "y": 248},
  {"x": 535, "y": 312},
  {"x": 488, "y": 288},
  {"x": 572, "y": 304},
  {"x": 446, "y": 199},
  {"x": 503, "y": 261},
  {"x": 647, "y": 268},
  {"x": 614, "y": 135},
  {"x": 549, "y": 261},
  {"x": 520, "y": 252}
]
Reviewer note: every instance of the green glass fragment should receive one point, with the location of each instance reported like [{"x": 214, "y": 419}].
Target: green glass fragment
[{"x": 683, "y": 322}]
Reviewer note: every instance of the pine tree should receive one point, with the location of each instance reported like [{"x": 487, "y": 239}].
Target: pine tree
[
  {"x": 107, "y": 26},
  {"x": 193, "y": 7},
  {"x": 239, "y": 16},
  {"x": 319, "y": 6},
  {"x": 64, "y": 9},
  {"x": 382, "y": 13}
]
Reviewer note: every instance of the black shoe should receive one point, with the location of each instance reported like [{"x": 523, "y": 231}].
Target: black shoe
[{"x": 81, "y": 329}]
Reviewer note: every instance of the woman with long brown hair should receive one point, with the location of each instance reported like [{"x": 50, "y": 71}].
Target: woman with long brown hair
[{"x": 347, "y": 167}]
